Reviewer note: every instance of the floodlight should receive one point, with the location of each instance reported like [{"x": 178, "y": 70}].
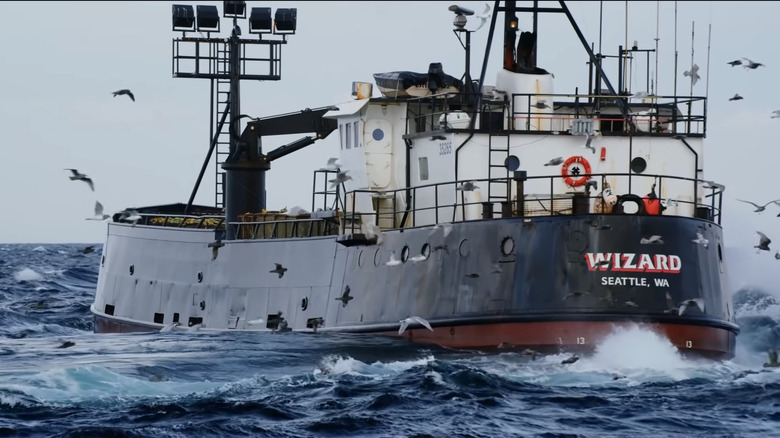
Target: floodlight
[
  {"x": 208, "y": 18},
  {"x": 234, "y": 10},
  {"x": 260, "y": 20},
  {"x": 183, "y": 18},
  {"x": 285, "y": 20}
]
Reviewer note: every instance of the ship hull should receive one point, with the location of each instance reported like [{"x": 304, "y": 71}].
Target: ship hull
[{"x": 548, "y": 283}]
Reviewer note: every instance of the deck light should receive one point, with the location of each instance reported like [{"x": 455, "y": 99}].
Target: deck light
[
  {"x": 260, "y": 20},
  {"x": 285, "y": 20},
  {"x": 183, "y": 18},
  {"x": 208, "y": 18},
  {"x": 234, "y": 10}
]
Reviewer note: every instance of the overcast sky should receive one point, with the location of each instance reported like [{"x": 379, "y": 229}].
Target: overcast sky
[{"x": 61, "y": 61}]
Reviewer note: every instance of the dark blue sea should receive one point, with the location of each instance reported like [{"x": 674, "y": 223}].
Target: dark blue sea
[{"x": 194, "y": 384}]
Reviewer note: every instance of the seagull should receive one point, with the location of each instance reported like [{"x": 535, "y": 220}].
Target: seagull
[
  {"x": 588, "y": 140},
  {"x": 735, "y": 63},
  {"x": 736, "y": 97},
  {"x": 99, "y": 215},
  {"x": 345, "y": 297},
  {"x": 340, "y": 178},
  {"x": 775, "y": 114},
  {"x": 752, "y": 65},
  {"x": 698, "y": 302},
  {"x": 777, "y": 255},
  {"x": 700, "y": 239},
  {"x": 81, "y": 177},
  {"x": 333, "y": 164},
  {"x": 406, "y": 321},
  {"x": 555, "y": 161},
  {"x": 483, "y": 17},
  {"x": 467, "y": 186},
  {"x": 445, "y": 227},
  {"x": 760, "y": 208},
  {"x": 693, "y": 73},
  {"x": 130, "y": 216},
  {"x": 124, "y": 91},
  {"x": 652, "y": 239},
  {"x": 215, "y": 246},
  {"x": 279, "y": 270},
  {"x": 763, "y": 243},
  {"x": 393, "y": 261},
  {"x": 88, "y": 249}
]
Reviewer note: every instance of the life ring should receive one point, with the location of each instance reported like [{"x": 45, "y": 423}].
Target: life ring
[{"x": 567, "y": 175}]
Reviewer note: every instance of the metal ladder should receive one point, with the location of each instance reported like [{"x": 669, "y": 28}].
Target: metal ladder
[
  {"x": 220, "y": 98},
  {"x": 498, "y": 174}
]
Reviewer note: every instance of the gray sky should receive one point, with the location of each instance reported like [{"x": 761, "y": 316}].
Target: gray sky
[{"x": 61, "y": 61}]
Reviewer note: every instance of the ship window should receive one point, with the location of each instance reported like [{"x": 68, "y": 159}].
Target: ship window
[
  {"x": 378, "y": 134},
  {"x": 357, "y": 134},
  {"x": 423, "y": 164},
  {"x": 348, "y": 140},
  {"x": 341, "y": 135}
]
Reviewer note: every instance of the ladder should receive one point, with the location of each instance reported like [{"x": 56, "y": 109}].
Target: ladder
[
  {"x": 220, "y": 98},
  {"x": 498, "y": 174}
]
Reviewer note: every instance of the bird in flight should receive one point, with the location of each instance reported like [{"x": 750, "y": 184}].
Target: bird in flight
[
  {"x": 555, "y": 161},
  {"x": 735, "y": 63},
  {"x": 775, "y": 114},
  {"x": 701, "y": 240},
  {"x": 693, "y": 73},
  {"x": 695, "y": 302},
  {"x": 279, "y": 270},
  {"x": 760, "y": 208},
  {"x": 123, "y": 92},
  {"x": 467, "y": 186},
  {"x": 406, "y": 321},
  {"x": 752, "y": 65},
  {"x": 81, "y": 177},
  {"x": 345, "y": 297},
  {"x": 341, "y": 177},
  {"x": 736, "y": 97},
  {"x": 99, "y": 215},
  {"x": 651, "y": 240},
  {"x": 763, "y": 242}
]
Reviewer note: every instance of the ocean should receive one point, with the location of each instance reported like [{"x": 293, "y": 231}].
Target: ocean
[{"x": 58, "y": 379}]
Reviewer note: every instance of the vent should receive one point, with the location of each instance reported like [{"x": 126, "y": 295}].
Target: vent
[
  {"x": 109, "y": 309},
  {"x": 582, "y": 127},
  {"x": 159, "y": 317},
  {"x": 194, "y": 320},
  {"x": 175, "y": 317}
]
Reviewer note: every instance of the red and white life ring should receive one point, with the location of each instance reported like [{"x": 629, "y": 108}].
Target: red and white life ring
[{"x": 573, "y": 166}]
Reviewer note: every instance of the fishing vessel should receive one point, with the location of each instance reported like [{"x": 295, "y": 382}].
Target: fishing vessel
[{"x": 502, "y": 213}]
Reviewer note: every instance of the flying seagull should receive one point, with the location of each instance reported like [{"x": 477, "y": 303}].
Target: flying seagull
[
  {"x": 735, "y": 63},
  {"x": 341, "y": 177},
  {"x": 775, "y": 114},
  {"x": 279, "y": 270},
  {"x": 99, "y": 215},
  {"x": 406, "y": 321},
  {"x": 736, "y": 97},
  {"x": 760, "y": 208},
  {"x": 693, "y": 73},
  {"x": 333, "y": 164},
  {"x": 587, "y": 145},
  {"x": 345, "y": 297},
  {"x": 555, "y": 161},
  {"x": 541, "y": 104},
  {"x": 482, "y": 17},
  {"x": 763, "y": 243},
  {"x": 652, "y": 239},
  {"x": 701, "y": 240},
  {"x": 81, "y": 177},
  {"x": 467, "y": 186},
  {"x": 130, "y": 216},
  {"x": 752, "y": 65},
  {"x": 123, "y": 92},
  {"x": 215, "y": 246},
  {"x": 571, "y": 359}
]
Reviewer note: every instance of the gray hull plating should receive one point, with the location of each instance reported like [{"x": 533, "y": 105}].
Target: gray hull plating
[{"x": 480, "y": 272}]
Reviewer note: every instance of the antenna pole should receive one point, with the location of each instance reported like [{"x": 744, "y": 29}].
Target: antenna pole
[
  {"x": 657, "y": 21},
  {"x": 675, "y": 48},
  {"x": 709, "y": 42},
  {"x": 693, "y": 24}
]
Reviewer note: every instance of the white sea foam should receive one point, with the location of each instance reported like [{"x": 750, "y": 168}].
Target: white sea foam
[{"x": 27, "y": 274}]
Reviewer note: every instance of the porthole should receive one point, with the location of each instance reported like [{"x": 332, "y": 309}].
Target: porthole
[
  {"x": 426, "y": 250},
  {"x": 507, "y": 246},
  {"x": 305, "y": 303},
  {"x": 405, "y": 254},
  {"x": 638, "y": 165},
  {"x": 463, "y": 248},
  {"x": 132, "y": 269},
  {"x": 360, "y": 258},
  {"x": 377, "y": 258},
  {"x": 200, "y": 277},
  {"x": 378, "y": 134}
]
